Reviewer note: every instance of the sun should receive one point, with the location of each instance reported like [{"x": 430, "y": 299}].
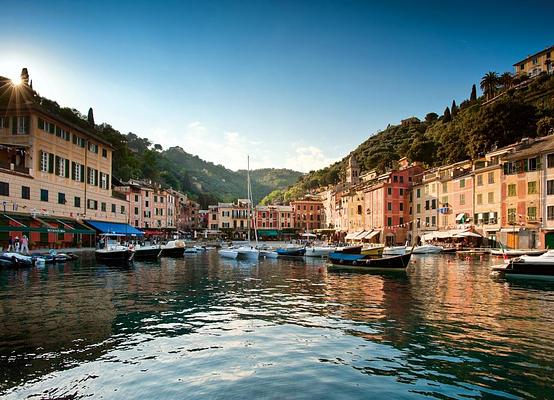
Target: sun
[{"x": 16, "y": 81}]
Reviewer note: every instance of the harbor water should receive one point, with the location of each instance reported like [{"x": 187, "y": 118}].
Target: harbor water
[{"x": 202, "y": 327}]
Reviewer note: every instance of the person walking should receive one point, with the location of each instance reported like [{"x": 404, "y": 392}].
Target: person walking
[
  {"x": 25, "y": 245},
  {"x": 17, "y": 244},
  {"x": 10, "y": 243}
]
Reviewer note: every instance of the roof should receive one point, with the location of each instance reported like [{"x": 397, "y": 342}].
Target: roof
[
  {"x": 532, "y": 148},
  {"x": 534, "y": 55}
]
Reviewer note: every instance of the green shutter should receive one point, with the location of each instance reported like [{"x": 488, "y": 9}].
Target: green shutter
[
  {"x": 57, "y": 166},
  {"x": 40, "y": 153},
  {"x": 108, "y": 181},
  {"x": 74, "y": 139},
  {"x": 27, "y": 125},
  {"x": 73, "y": 170},
  {"x": 82, "y": 172},
  {"x": 50, "y": 162},
  {"x": 66, "y": 168},
  {"x": 96, "y": 183},
  {"x": 14, "y": 125},
  {"x": 88, "y": 174},
  {"x": 40, "y": 123}
]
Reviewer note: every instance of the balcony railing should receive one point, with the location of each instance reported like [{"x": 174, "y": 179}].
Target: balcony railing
[{"x": 12, "y": 167}]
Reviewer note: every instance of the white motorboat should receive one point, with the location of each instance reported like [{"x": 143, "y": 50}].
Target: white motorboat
[
  {"x": 173, "y": 248},
  {"x": 516, "y": 252},
  {"x": 427, "y": 249},
  {"x": 228, "y": 252},
  {"x": 528, "y": 266},
  {"x": 249, "y": 252},
  {"x": 114, "y": 253},
  {"x": 268, "y": 254},
  {"x": 395, "y": 250},
  {"x": 319, "y": 251}
]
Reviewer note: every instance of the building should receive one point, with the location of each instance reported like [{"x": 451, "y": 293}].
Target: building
[
  {"x": 536, "y": 63},
  {"x": 308, "y": 214},
  {"x": 230, "y": 218},
  {"x": 187, "y": 215},
  {"x": 274, "y": 221},
  {"x": 455, "y": 192},
  {"x": 55, "y": 172}
]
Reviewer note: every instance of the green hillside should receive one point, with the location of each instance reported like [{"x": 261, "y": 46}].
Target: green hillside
[{"x": 515, "y": 110}]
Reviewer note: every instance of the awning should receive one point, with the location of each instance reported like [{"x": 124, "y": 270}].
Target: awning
[
  {"x": 467, "y": 234},
  {"x": 510, "y": 230},
  {"x": 308, "y": 235},
  {"x": 268, "y": 232},
  {"x": 360, "y": 235},
  {"x": 453, "y": 233},
  {"x": 48, "y": 225},
  {"x": 115, "y": 228},
  {"x": 372, "y": 234},
  {"x": 352, "y": 235},
  {"x": 460, "y": 216}
]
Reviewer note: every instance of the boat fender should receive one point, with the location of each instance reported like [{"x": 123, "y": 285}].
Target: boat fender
[
  {"x": 354, "y": 262},
  {"x": 367, "y": 262}
]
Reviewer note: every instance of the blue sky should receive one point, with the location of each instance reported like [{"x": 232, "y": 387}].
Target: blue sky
[{"x": 295, "y": 84}]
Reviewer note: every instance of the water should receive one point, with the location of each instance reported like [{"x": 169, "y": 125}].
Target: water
[{"x": 205, "y": 327}]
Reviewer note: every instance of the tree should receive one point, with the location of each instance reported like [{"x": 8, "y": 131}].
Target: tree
[
  {"x": 90, "y": 117},
  {"x": 447, "y": 117},
  {"x": 506, "y": 80},
  {"x": 489, "y": 84},
  {"x": 473, "y": 95},
  {"x": 158, "y": 147},
  {"x": 454, "y": 109},
  {"x": 431, "y": 117},
  {"x": 545, "y": 126}
]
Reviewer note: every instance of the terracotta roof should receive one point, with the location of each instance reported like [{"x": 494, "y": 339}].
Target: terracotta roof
[{"x": 532, "y": 148}]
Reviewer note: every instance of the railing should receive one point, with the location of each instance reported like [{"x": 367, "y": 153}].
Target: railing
[{"x": 12, "y": 167}]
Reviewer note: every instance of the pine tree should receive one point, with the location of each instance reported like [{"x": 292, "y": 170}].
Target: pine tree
[
  {"x": 90, "y": 116},
  {"x": 447, "y": 117},
  {"x": 454, "y": 109},
  {"x": 473, "y": 96}
]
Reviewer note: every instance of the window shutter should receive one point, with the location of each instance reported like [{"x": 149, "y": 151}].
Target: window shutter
[
  {"x": 40, "y": 153},
  {"x": 50, "y": 162},
  {"x": 88, "y": 174},
  {"x": 27, "y": 124},
  {"x": 73, "y": 170},
  {"x": 57, "y": 166},
  {"x": 82, "y": 167},
  {"x": 66, "y": 168},
  {"x": 74, "y": 139},
  {"x": 14, "y": 125},
  {"x": 95, "y": 177},
  {"x": 40, "y": 123},
  {"x": 108, "y": 186}
]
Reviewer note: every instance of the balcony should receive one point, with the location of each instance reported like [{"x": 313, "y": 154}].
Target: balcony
[{"x": 7, "y": 166}]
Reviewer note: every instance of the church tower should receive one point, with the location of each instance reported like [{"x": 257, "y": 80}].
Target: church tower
[{"x": 352, "y": 171}]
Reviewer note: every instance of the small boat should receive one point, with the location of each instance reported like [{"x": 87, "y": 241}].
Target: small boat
[
  {"x": 228, "y": 252},
  {"x": 526, "y": 266},
  {"x": 291, "y": 251},
  {"x": 248, "y": 252},
  {"x": 427, "y": 249},
  {"x": 374, "y": 251},
  {"x": 173, "y": 248},
  {"x": 54, "y": 257},
  {"x": 16, "y": 260},
  {"x": 148, "y": 252},
  {"x": 268, "y": 254},
  {"x": 191, "y": 250},
  {"x": 114, "y": 253},
  {"x": 363, "y": 262},
  {"x": 319, "y": 251},
  {"x": 350, "y": 249},
  {"x": 395, "y": 250},
  {"x": 516, "y": 252}
]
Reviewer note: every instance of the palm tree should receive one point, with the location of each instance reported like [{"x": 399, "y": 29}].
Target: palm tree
[
  {"x": 489, "y": 84},
  {"x": 506, "y": 80}
]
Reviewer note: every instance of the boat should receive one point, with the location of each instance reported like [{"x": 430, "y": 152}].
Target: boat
[
  {"x": 248, "y": 252},
  {"x": 364, "y": 262},
  {"x": 148, "y": 252},
  {"x": 357, "y": 249},
  {"x": 395, "y": 250},
  {"x": 427, "y": 249},
  {"x": 516, "y": 252},
  {"x": 319, "y": 251},
  {"x": 54, "y": 257},
  {"x": 374, "y": 251},
  {"x": 114, "y": 253},
  {"x": 16, "y": 260},
  {"x": 268, "y": 253},
  {"x": 191, "y": 250},
  {"x": 291, "y": 251},
  {"x": 173, "y": 248},
  {"x": 228, "y": 252},
  {"x": 526, "y": 266}
]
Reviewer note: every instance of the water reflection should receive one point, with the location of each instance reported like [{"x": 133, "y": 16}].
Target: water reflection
[{"x": 444, "y": 328}]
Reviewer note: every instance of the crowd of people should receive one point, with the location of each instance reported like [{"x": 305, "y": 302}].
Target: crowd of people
[{"x": 17, "y": 245}]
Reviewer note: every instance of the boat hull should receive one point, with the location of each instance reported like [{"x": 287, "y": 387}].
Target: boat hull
[
  {"x": 114, "y": 256},
  {"x": 394, "y": 251},
  {"x": 291, "y": 252},
  {"x": 527, "y": 269},
  {"x": 319, "y": 251},
  {"x": 517, "y": 252},
  {"x": 427, "y": 249},
  {"x": 147, "y": 254},
  {"x": 363, "y": 262},
  {"x": 227, "y": 253},
  {"x": 173, "y": 252}
]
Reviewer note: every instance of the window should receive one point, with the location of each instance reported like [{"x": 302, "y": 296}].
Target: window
[
  {"x": 389, "y": 221},
  {"x": 532, "y": 213},
  {"x": 4, "y": 123},
  {"x": 550, "y": 187},
  {"x": 4, "y": 189},
  {"x": 21, "y": 125},
  {"x": 433, "y": 220},
  {"x": 104, "y": 153},
  {"x": 462, "y": 199},
  {"x": 77, "y": 172},
  {"x": 92, "y": 204},
  {"x": 43, "y": 195},
  {"x": 426, "y": 204},
  {"x": 136, "y": 198},
  {"x": 104, "y": 180},
  {"x": 401, "y": 206},
  {"x": 434, "y": 204},
  {"x": 103, "y": 206},
  {"x": 480, "y": 198},
  {"x": 401, "y": 192},
  {"x": 550, "y": 213},
  {"x": 77, "y": 202},
  {"x": 462, "y": 183},
  {"x": 427, "y": 221},
  {"x": 61, "y": 164},
  {"x": 418, "y": 208},
  {"x": 44, "y": 161},
  {"x": 122, "y": 210},
  {"x": 389, "y": 191},
  {"x": 401, "y": 178},
  {"x": 146, "y": 202},
  {"x": 93, "y": 147},
  {"x": 512, "y": 189},
  {"x": 445, "y": 187},
  {"x": 550, "y": 161},
  {"x": 155, "y": 199},
  {"x": 137, "y": 211},
  {"x": 480, "y": 180},
  {"x": 490, "y": 197},
  {"x": 395, "y": 178},
  {"x": 491, "y": 178},
  {"x": 418, "y": 193},
  {"x": 401, "y": 221},
  {"x": 511, "y": 215},
  {"x": 25, "y": 192},
  {"x": 532, "y": 187},
  {"x": 389, "y": 206},
  {"x": 61, "y": 198}
]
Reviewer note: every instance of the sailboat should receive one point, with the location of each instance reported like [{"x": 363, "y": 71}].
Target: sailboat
[{"x": 249, "y": 251}]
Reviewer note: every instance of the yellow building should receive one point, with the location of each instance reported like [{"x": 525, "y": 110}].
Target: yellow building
[{"x": 534, "y": 64}]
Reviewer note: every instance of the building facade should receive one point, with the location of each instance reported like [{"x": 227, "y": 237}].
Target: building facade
[{"x": 537, "y": 63}]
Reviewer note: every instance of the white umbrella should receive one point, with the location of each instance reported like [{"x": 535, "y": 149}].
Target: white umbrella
[{"x": 308, "y": 235}]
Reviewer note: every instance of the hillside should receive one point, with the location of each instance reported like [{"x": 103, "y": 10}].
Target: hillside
[{"x": 462, "y": 132}]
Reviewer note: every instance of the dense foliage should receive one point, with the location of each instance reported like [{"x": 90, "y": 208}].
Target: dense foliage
[{"x": 516, "y": 108}]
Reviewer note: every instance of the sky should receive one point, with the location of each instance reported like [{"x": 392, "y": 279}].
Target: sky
[{"x": 294, "y": 84}]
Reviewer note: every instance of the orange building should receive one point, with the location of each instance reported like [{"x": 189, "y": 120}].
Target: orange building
[{"x": 308, "y": 214}]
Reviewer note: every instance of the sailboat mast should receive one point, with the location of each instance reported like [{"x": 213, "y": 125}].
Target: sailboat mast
[{"x": 248, "y": 194}]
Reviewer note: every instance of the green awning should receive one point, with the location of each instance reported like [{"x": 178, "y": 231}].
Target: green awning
[
  {"x": 268, "y": 232},
  {"x": 24, "y": 221}
]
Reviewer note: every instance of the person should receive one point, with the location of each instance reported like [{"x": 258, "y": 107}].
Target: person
[
  {"x": 10, "y": 243},
  {"x": 17, "y": 244},
  {"x": 24, "y": 245}
]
